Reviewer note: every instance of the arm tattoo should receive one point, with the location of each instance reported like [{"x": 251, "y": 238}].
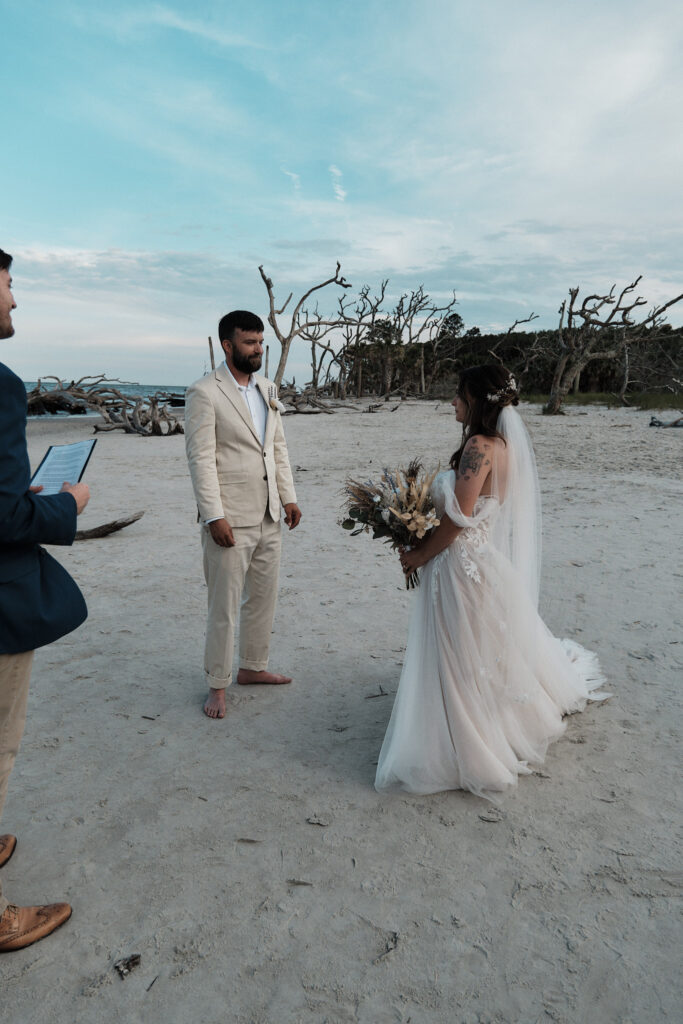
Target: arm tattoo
[{"x": 473, "y": 459}]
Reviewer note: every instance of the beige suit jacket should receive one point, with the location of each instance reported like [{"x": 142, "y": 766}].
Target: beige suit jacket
[{"x": 233, "y": 475}]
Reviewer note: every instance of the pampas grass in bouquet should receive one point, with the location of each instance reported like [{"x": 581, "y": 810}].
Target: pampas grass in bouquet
[{"x": 398, "y": 509}]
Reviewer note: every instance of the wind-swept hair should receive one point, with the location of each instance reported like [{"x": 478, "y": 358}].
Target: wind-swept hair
[{"x": 5, "y": 260}]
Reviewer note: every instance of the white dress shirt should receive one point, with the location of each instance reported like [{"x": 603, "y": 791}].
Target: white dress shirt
[{"x": 256, "y": 405}]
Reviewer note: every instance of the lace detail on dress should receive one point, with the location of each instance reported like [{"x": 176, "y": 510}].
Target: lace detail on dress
[
  {"x": 470, "y": 565},
  {"x": 437, "y": 563},
  {"x": 475, "y": 537}
]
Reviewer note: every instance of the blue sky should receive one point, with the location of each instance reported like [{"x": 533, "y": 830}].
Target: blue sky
[{"x": 154, "y": 154}]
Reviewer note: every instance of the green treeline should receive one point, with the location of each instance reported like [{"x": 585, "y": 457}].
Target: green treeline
[{"x": 381, "y": 364}]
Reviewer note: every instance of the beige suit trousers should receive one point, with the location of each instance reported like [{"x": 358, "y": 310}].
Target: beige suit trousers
[
  {"x": 242, "y": 582},
  {"x": 15, "y": 675}
]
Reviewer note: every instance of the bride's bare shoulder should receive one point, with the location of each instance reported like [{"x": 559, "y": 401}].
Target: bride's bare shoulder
[
  {"x": 476, "y": 456},
  {"x": 480, "y": 442}
]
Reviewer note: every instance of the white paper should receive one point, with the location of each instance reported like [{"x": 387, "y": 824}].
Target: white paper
[{"x": 64, "y": 463}]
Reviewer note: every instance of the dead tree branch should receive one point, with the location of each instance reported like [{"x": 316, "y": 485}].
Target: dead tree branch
[
  {"x": 106, "y": 528},
  {"x": 300, "y": 322}
]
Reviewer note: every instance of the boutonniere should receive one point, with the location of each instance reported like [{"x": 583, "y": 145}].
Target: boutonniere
[{"x": 273, "y": 401}]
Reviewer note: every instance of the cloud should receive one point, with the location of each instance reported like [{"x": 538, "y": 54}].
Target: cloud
[
  {"x": 544, "y": 156},
  {"x": 132, "y": 22},
  {"x": 160, "y": 15},
  {"x": 319, "y": 246},
  {"x": 131, "y": 314},
  {"x": 166, "y": 283},
  {"x": 339, "y": 191},
  {"x": 294, "y": 178}
]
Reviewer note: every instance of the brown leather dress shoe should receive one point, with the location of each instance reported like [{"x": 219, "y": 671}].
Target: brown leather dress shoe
[
  {"x": 21, "y": 926},
  {"x": 7, "y": 848}
]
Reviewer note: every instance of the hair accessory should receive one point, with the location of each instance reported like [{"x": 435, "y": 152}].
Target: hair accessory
[{"x": 508, "y": 391}]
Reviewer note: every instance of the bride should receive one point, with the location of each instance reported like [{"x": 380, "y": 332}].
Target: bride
[{"x": 485, "y": 685}]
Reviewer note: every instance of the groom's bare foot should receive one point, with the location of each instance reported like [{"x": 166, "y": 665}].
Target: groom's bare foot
[
  {"x": 214, "y": 705},
  {"x": 246, "y": 676}
]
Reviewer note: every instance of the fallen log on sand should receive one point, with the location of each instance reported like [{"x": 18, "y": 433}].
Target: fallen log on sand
[
  {"x": 306, "y": 401},
  {"x": 106, "y": 528},
  {"x": 147, "y": 416},
  {"x": 143, "y": 416},
  {"x": 654, "y": 422}
]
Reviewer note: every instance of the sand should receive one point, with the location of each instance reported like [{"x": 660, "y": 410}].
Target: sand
[{"x": 250, "y": 862}]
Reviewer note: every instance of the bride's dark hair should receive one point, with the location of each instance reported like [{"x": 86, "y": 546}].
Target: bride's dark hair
[{"x": 485, "y": 390}]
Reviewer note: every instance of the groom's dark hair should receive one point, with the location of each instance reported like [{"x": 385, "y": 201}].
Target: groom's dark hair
[
  {"x": 5, "y": 260},
  {"x": 239, "y": 318}
]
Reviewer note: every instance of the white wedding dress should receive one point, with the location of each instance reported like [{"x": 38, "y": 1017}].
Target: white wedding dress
[{"x": 484, "y": 685}]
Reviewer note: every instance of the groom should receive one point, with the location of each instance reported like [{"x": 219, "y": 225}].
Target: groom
[{"x": 240, "y": 473}]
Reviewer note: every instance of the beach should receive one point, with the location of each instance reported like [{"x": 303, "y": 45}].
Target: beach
[{"x": 250, "y": 861}]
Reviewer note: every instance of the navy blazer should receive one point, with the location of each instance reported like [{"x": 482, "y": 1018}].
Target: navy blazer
[{"x": 39, "y": 601}]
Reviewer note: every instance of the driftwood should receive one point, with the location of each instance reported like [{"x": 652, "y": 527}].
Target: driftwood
[
  {"x": 143, "y": 416},
  {"x": 60, "y": 398},
  {"x": 134, "y": 415},
  {"x": 654, "y": 422},
  {"x": 305, "y": 401},
  {"x": 106, "y": 528}
]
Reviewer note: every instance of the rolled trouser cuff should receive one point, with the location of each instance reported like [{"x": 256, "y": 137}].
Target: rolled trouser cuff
[
  {"x": 217, "y": 684},
  {"x": 254, "y": 666}
]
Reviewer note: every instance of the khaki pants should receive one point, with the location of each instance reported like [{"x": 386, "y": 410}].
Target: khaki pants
[
  {"x": 15, "y": 674},
  {"x": 242, "y": 581}
]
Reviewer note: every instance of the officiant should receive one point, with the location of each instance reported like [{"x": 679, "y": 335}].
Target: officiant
[{"x": 39, "y": 602}]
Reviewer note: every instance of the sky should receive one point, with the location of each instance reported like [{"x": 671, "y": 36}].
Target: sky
[{"x": 155, "y": 154}]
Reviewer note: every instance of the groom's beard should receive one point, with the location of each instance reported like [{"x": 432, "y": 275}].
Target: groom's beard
[{"x": 246, "y": 364}]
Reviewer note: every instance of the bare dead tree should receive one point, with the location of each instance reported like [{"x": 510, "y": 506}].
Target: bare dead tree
[
  {"x": 416, "y": 324},
  {"x": 443, "y": 334},
  {"x": 523, "y": 320},
  {"x": 396, "y": 339},
  {"x": 315, "y": 330},
  {"x": 526, "y": 353},
  {"x": 602, "y": 327},
  {"x": 354, "y": 321},
  {"x": 651, "y": 366},
  {"x": 360, "y": 322},
  {"x": 419, "y": 321},
  {"x": 299, "y": 323},
  {"x": 625, "y": 377}
]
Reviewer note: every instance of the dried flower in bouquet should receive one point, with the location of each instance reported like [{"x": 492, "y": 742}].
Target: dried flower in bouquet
[{"x": 397, "y": 509}]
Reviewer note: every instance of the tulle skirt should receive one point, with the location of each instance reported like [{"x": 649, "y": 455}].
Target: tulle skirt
[{"x": 485, "y": 686}]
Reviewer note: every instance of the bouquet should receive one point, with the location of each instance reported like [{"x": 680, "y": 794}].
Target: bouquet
[{"x": 398, "y": 509}]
